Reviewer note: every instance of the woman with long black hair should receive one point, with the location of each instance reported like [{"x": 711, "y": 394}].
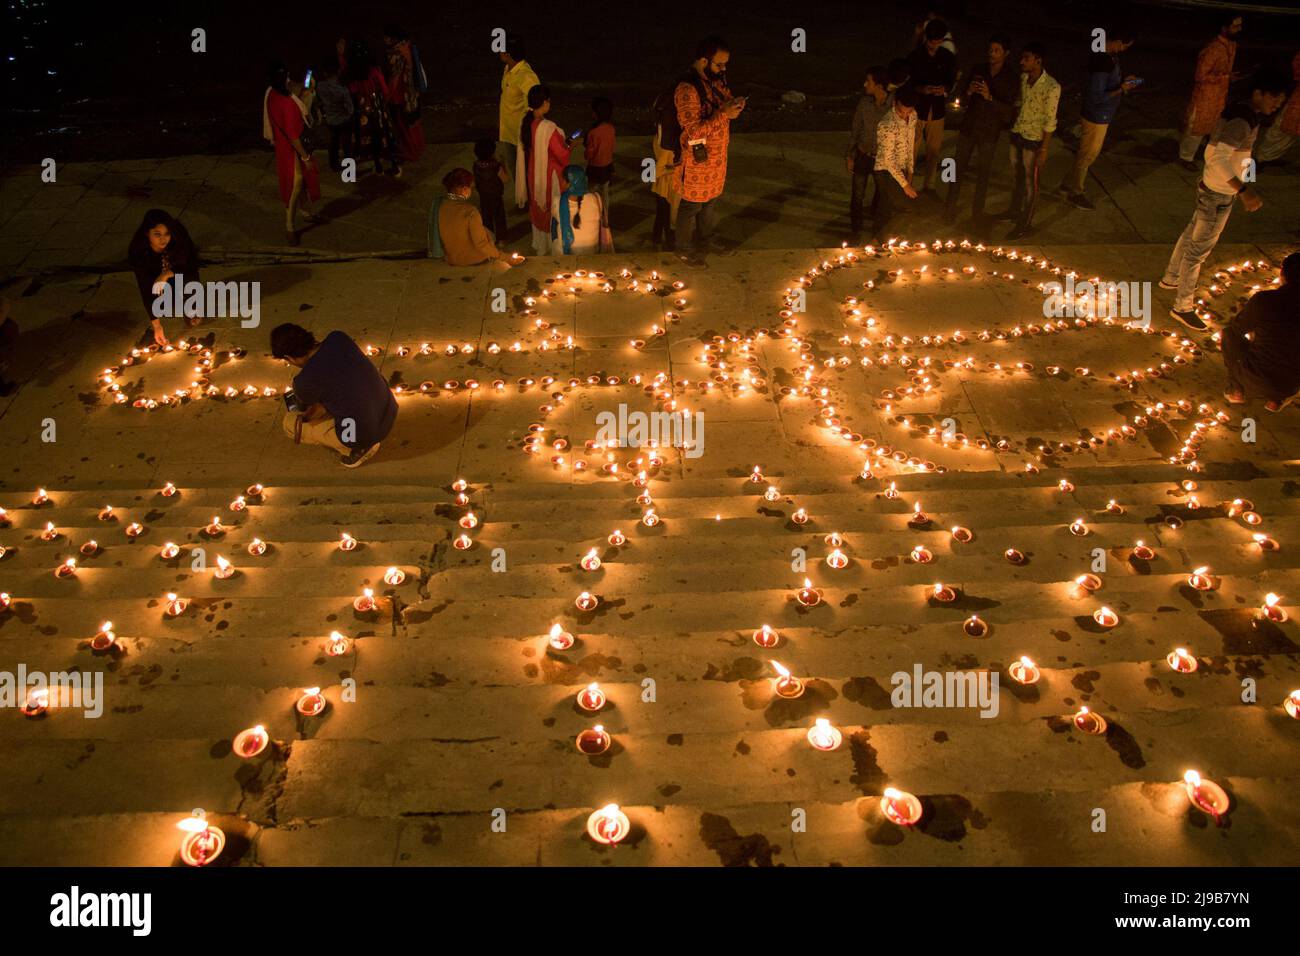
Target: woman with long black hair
[
  {"x": 373, "y": 135},
  {"x": 162, "y": 252}
]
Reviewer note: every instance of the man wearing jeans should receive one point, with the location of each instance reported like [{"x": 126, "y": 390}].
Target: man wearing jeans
[
  {"x": 895, "y": 155},
  {"x": 1031, "y": 134},
  {"x": 1100, "y": 101},
  {"x": 1227, "y": 175},
  {"x": 990, "y": 107},
  {"x": 861, "y": 158}
]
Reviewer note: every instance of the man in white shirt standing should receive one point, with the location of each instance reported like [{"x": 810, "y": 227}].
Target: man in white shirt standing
[
  {"x": 1226, "y": 176},
  {"x": 895, "y": 153},
  {"x": 1031, "y": 134}
]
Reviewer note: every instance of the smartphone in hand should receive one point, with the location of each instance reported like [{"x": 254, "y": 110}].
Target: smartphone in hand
[{"x": 306, "y": 83}]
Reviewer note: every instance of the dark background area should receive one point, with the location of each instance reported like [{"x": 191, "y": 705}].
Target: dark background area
[{"x": 118, "y": 80}]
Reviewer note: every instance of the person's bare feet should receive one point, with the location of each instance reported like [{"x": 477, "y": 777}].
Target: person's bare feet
[{"x": 1234, "y": 396}]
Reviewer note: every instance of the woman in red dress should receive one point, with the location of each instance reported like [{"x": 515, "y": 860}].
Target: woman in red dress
[
  {"x": 296, "y": 170},
  {"x": 539, "y": 171},
  {"x": 403, "y": 95}
]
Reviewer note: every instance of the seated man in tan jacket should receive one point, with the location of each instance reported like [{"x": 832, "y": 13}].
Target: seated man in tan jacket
[{"x": 456, "y": 231}]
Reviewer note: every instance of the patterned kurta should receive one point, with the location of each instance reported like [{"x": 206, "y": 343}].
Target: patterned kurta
[
  {"x": 703, "y": 181},
  {"x": 1210, "y": 89}
]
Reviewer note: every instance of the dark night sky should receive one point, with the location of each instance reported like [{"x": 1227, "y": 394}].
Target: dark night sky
[{"x": 118, "y": 80}]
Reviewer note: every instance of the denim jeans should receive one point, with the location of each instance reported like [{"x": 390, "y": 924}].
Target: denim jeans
[
  {"x": 690, "y": 217},
  {"x": 983, "y": 150},
  {"x": 1196, "y": 243}
]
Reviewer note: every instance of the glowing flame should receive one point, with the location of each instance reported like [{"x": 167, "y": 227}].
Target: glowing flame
[{"x": 780, "y": 669}]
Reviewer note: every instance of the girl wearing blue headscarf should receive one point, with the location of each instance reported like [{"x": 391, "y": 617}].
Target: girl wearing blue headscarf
[{"x": 577, "y": 218}]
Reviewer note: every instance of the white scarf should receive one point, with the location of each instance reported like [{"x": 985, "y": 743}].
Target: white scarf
[{"x": 542, "y": 132}]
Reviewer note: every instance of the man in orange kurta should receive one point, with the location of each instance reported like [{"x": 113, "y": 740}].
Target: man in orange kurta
[
  {"x": 1209, "y": 89},
  {"x": 705, "y": 109}
]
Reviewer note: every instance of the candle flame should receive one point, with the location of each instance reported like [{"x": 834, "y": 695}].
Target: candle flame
[
  {"x": 1201, "y": 570},
  {"x": 1193, "y": 778},
  {"x": 1270, "y": 599},
  {"x": 1026, "y": 662},
  {"x": 192, "y": 824},
  {"x": 780, "y": 669},
  {"x": 893, "y": 794},
  {"x": 222, "y": 563}
]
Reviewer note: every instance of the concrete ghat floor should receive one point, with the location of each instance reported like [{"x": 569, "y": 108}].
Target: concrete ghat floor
[{"x": 459, "y": 709}]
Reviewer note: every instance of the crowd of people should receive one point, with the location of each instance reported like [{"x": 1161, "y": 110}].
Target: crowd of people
[{"x": 371, "y": 112}]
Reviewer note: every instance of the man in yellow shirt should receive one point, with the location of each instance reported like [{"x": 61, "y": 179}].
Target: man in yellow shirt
[{"x": 516, "y": 80}]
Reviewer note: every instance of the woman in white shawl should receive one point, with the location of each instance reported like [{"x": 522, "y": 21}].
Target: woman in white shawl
[{"x": 539, "y": 166}]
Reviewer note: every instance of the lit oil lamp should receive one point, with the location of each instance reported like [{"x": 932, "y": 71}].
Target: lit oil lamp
[
  {"x": 1143, "y": 552},
  {"x": 215, "y": 527},
  {"x": 1182, "y": 661},
  {"x": 462, "y": 542},
  {"x": 921, "y": 554},
  {"x": 168, "y": 490},
  {"x": 808, "y": 595},
  {"x": 239, "y": 504},
  {"x": 90, "y": 547},
  {"x": 1078, "y": 528},
  {"x": 918, "y": 518},
  {"x": 961, "y": 535},
  {"x": 773, "y": 493},
  {"x": 106, "y": 513},
  {"x": 1251, "y": 517},
  {"x": 1088, "y": 582},
  {"x": 766, "y": 636},
  {"x": 366, "y": 602},
  {"x": 50, "y": 532},
  {"x": 257, "y": 547},
  {"x": 593, "y": 741},
  {"x": 169, "y": 551},
  {"x": 1201, "y": 579},
  {"x": 37, "y": 702},
  {"x": 591, "y": 697},
  {"x": 559, "y": 639},
  {"x": 254, "y": 490},
  {"x": 394, "y": 576},
  {"x": 1272, "y": 611},
  {"x": 5, "y": 600},
  {"x": 941, "y": 592},
  {"x": 1265, "y": 543},
  {"x": 785, "y": 684},
  {"x": 311, "y": 703},
  {"x": 175, "y": 606},
  {"x": 608, "y": 825},
  {"x": 347, "y": 542},
  {"x": 591, "y": 561},
  {"x": 67, "y": 569},
  {"x": 104, "y": 638},
  {"x": 4, "y": 518},
  {"x": 134, "y": 530},
  {"x": 1090, "y": 722},
  {"x": 823, "y": 736},
  {"x": 1292, "y": 704},
  {"x": 40, "y": 498},
  {"x": 974, "y": 626},
  {"x": 1205, "y": 795},
  {"x": 837, "y": 559},
  {"x": 617, "y": 539},
  {"x": 1105, "y": 616},
  {"x": 1064, "y": 485},
  {"x": 223, "y": 570},
  {"x": 469, "y": 521},
  {"x": 251, "y": 742},
  {"x": 586, "y": 601},
  {"x": 756, "y": 475},
  {"x": 900, "y": 807},
  {"x": 203, "y": 842},
  {"x": 1114, "y": 507},
  {"x": 1025, "y": 671},
  {"x": 800, "y": 516},
  {"x": 1014, "y": 556},
  {"x": 338, "y": 644},
  {"x": 650, "y": 518}
]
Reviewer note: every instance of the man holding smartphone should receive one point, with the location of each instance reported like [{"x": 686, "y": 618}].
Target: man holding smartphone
[
  {"x": 705, "y": 109},
  {"x": 338, "y": 398},
  {"x": 1100, "y": 101}
]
